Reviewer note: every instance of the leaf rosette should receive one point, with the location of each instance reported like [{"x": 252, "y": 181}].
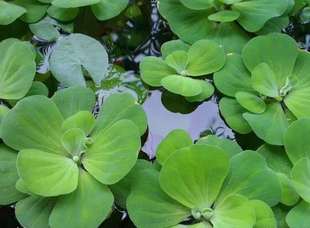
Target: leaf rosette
[
  {"x": 67, "y": 158},
  {"x": 267, "y": 87},
  {"x": 180, "y": 66}
]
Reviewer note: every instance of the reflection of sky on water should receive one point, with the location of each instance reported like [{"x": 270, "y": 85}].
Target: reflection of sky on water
[{"x": 161, "y": 121}]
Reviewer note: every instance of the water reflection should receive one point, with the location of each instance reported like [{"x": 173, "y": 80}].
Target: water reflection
[{"x": 162, "y": 118}]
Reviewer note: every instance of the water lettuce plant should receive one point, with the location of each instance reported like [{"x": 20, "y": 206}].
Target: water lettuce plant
[
  {"x": 32, "y": 11},
  {"x": 203, "y": 184},
  {"x": 65, "y": 158},
  {"x": 180, "y": 66},
  {"x": 223, "y": 20},
  {"x": 267, "y": 87}
]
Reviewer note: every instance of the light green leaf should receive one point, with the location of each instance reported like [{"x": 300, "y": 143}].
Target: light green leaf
[
  {"x": 10, "y": 12},
  {"x": 74, "y": 3},
  {"x": 205, "y": 57},
  {"x": 72, "y": 100},
  {"x": 154, "y": 69},
  {"x": 232, "y": 113},
  {"x": 8, "y": 176},
  {"x": 174, "y": 141},
  {"x": 35, "y": 122},
  {"x": 107, "y": 9},
  {"x": 47, "y": 174},
  {"x": 233, "y": 77},
  {"x": 157, "y": 209},
  {"x": 298, "y": 217},
  {"x": 87, "y": 206},
  {"x": 207, "y": 92},
  {"x": 264, "y": 215},
  {"x": 83, "y": 120},
  {"x": 181, "y": 85},
  {"x": 17, "y": 68},
  {"x": 198, "y": 4},
  {"x": 289, "y": 195},
  {"x": 195, "y": 184},
  {"x": 247, "y": 169},
  {"x": 255, "y": 13},
  {"x": 178, "y": 60},
  {"x": 251, "y": 102},
  {"x": 271, "y": 125},
  {"x": 234, "y": 211},
  {"x": 231, "y": 147},
  {"x": 34, "y": 211},
  {"x": 76, "y": 54},
  {"x": 224, "y": 16},
  {"x": 74, "y": 141},
  {"x": 301, "y": 178},
  {"x": 37, "y": 88},
  {"x": 113, "y": 153},
  {"x": 34, "y": 10},
  {"x": 173, "y": 45},
  {"x": 277, "y": 50},
  {"x": 296, "y": 140},
  {"x": 264, "y": 81},
  {"x": 121, "y": 106},
  {"x": 297, "y": 99}
]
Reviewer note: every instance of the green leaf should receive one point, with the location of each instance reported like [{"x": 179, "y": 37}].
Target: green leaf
[
  {"x": 10, "y": 12},
  {"x": 233, "y": 77},
  {"x": 34, "y": 10},
  {"x": 297, "y": 99},
  {"x": 4, "y": 110},
  {"x": 278, "y": 161},
  {"x": 62, "y": 14},
  {"x": 247, "y": 169},
  {"x": 232, "y": 113},
  {"x": 76, "y": 54},
  {"x": 178, "y": 60},
  {"x": 154, "y": 69},
  {"x": 74, "y": 141},
  {"x": 37, "y": 88},
  {"x": 17, "y": 68},
  {"x": 34, "y": 211},
  {"x": 113, "y": 153},
  {"x": 224, "y": 16},
  {"x": 234, "y": 211},
  {"x": 264, "y": 80},
  {"x": 198, "y": 4},
  {"x": 269, "y": 126},
  {"x": 230, "y": 146},
  {"x": 35, "y": 122},
  {"x": 207, "y": 92},
  {"x": 87, "y": 206},
  {"x": 205, "y": 57},
  {"x": 301, "y": 178},
  {"x": 47, "y": 174},
  {"x": 277, "y": 50},
  {"x": 181, "y": 85},
  {"x": 74, "y": 3},
  {"x": 298, "y": 217},
  {"x": 296, "y": 140},
  {"x": 264, "y": 215},
  {"x": 175, "y": 140},
  {"x": 8, "y": 176},
  {"x": 83, "y": 120},
  {"x": 251, "y": 102},
  {"x": 255, "y": 13},
  {"x": 120, "y": 106},
  {"x": 173, "y": 45},
  {"x": 195, "y": 184},
  {"x": 157, "y": 209},
  {"x": 107, "y": 9},
  {"x": 73, "y": 100}
]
